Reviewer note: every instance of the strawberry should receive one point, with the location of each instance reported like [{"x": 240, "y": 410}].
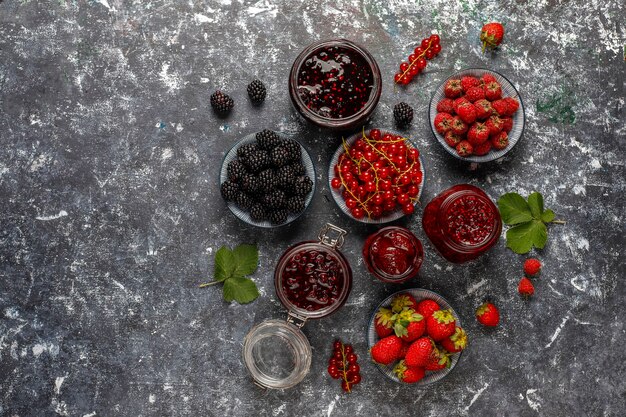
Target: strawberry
[
  {"x": 409, "y": 325},
  {"x": 404, "y": 350},
  {"x": 458, "y": 126},
  {"x": 487, "y": 78},
  {"x": 439, "y": 360},
  {"x": 419, "y": 352},
  {"x": 532, "y": 267},
  {"x": 507, "y": 124},
  {"x": 413, "y": 331},
  {"x": 500, "y": 140},
  {"x": 493, "y": 90},
  {"x": 440, "y": 325},
  {"x": 478, "y": 133},
  {"x": 475, "y": 94},
  {"x": 468, "y": 82},
  {"x": 443, "y": 122},
  {"x": 387, "y": 350},
  {"x": 501, "y": 107},
  {"x": 452, "y": 138},
  {"x": 512, "y": 105},
  {"x": 467, "y": 113},
  {"x": 459, "y": 102},
  {"x": 491, "y": 35},
  {"x": 452, "y": 88},
  {"x": 482, "y": 148},
  {"x": 427, "y": 307},
  {"x": 495, "y": 124},
  {"x": 464, "y": 148},
  {"x": 401, "y": 301},
  {"x": 446, "y": 105},
  {"x": 483, "y": 109},
  {"x": 488, "y": 315},
  {"x": 457, "y": 342},
  {"x": 408, "y": 374},
  {"x": 525, "y": 287},
  {"x": 383, "y": 322}
]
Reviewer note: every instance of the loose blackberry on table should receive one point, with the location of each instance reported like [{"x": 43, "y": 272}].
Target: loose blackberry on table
[
  {"x": 221, "y": 103},
  {"x": 257, "y": 91},
  {"x": 403, "y": 113}
]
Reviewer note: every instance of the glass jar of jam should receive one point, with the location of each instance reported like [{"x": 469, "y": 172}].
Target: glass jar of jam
[
  {"x": 335, "y": 84},
  {"x": 313, "y": 280},
  {"x": 393, "y": 254},
  {"x": 462, "y": 223}
]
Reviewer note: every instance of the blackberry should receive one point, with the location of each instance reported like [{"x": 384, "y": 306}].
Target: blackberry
[
  {"x": 275, "y": 200},
  {"x": 250, "y": 184},
  {"x": 221, "y": 103},
  {"x": 295, "y": 204},
  {"x": 293, "y": 148},
  {"x": 403, "y": 113},
  {"x": 258, "y": 212},
  {"x": 257, "y": 161},
  {"x": 267, "y": 139},
  {"x": 285, "y": 176},
  {"x": 257, "y": 91},
  {"x": 267, "y": 180},
  {"x": 229, "y": 190},
  {"x": 298, "y": 168},
  {"x": 278, "y": 216},
  {"x": 244, "y": 151},
  {"x": 281, "y": 156},
  {"x": 243, "y": 200},
  {"x": 302, "y": 186},
  {"x": 236, "y": 170}
]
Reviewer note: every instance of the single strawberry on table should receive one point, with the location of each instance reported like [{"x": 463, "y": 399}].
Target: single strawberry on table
[
  {"x": 456, "y": 342},
  {"x": 491, "y": 35},
  {"x": 419, "y": 352},
  {"x": 525, "y": 287},
  {"x": 383, "y": 322},
  {"x": 488, "y": 314},
  {"x": 408, "y": 374},
  {"x": 387, "y": 350},
  {"x": 440, "y": 325}
]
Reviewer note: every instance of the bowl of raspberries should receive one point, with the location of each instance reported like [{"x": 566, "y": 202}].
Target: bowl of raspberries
[
  {"x": 415, "y": 337},
  {"x": 267, "y": 179},
  {"x": 477, "y": 115}
]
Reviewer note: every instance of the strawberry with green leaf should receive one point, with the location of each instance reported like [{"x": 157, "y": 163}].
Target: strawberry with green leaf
[
  {"x": 491, "y": 35},
  {"x": 409, "y": 325},
  {"x": 383, "y": 322},
  {"x": 440, "y": 325}
]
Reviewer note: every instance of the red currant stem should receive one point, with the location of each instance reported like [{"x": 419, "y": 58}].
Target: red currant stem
[
  {"x": 558, "y": 222},
  {"x": 369, "y": 142},
  {"x": 208, "y": 284},
  {"x": 414, "y": 61},
  {"x": 345, "y": 374}
]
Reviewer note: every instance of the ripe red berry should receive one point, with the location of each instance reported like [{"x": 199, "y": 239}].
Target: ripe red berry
[
  {"x": 335, "y": 183},
  {"x": 532, "y": 266},
  {"x": 425, "y": 43},
  {"x": 525, "y": 287}
]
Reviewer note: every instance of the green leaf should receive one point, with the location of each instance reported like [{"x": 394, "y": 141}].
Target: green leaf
[
  {"x": 535, "y": 202},
  {"x": 514, "y": 209},
  {"x": 547, "y": 216},
  {"x": 242, "y": 290},
  {"x": 523, "y": 237},
  {"x": 225, "y": 264},
  {"x": 247, "y": 257}
]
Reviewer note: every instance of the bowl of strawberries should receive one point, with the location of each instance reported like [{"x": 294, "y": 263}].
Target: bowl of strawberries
[
  {"x": 415, "y": 337},
  {"x": 477, "y": 115}
]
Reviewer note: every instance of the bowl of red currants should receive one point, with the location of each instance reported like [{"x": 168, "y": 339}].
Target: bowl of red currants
[
  {"x": 477, "y": 115},
  {"x": 376, "y": 176}
]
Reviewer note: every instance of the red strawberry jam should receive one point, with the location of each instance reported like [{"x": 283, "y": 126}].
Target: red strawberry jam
[
  {"x": 335, "y": 81},
  {"x": 393, "y": 254},
  {"x": 462, "y": 223}
]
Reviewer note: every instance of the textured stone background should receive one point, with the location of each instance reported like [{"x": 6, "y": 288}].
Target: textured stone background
[{"x": 110, "y": 212}]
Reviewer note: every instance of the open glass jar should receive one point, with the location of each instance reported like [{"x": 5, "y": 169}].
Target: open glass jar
[
  {"x": 393, "y": 254},
  {"x": 462, "y": 223},
  {"x": 335, "y": 84},
  {"x": 313, "y": 280}
]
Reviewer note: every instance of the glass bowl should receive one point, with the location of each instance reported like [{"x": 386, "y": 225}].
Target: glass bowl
[
  {"x": 336, "y": 193},
  {"x": 245, "y": 215},
  {"x": 372, "y": 337},
  {"x": 408, "y": 242},
  {"x": 353, "y": 120},
  {"x": 508, "y": 90}
]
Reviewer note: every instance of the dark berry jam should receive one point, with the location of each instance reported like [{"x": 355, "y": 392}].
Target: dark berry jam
[
  {"x": 312, "y": 277},
  {"x": 462, "y": 223},
  {"x": 393, "y": 254},
  {"x": 335, "y": 82}
]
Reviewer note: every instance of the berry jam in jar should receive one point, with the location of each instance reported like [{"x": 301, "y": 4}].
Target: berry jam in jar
[
  {"x": 313, "y": 279},
  {"x": 393, "y": 254},
  {"x": 462, "y": 223},
  {"x": 335, "y": 84}
]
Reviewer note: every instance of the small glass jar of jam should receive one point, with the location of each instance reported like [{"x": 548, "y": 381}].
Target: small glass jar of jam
[
  {"x": 393, "y": 254},
  {"x": 313, "y": 280},
  {"x": 335, "y": 84},
  {"x": 462, "y": 223}
]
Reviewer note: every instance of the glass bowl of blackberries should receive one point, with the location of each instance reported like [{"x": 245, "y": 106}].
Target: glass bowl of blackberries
[{"x": 267, "y": 179}]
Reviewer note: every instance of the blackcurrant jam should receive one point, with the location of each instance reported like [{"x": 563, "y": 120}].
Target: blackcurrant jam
[
  {"x": 462, "y": 223},
  {"x": 393, "y": 254},
  {"x": 335, "y": 84}
]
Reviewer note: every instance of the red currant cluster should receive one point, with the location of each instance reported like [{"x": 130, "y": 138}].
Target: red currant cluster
[
  {"x": 378, "y": 174},
  {"x": 429, "y": 49},
  {"x": 343, "y": 365}
]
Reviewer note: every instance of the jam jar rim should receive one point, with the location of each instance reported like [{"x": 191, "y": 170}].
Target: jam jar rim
[
  {"x": 496, "y": 230},
  {"x": 329, "y": 122},
  {"x": 407, "y": 275},
  {"x": 322, "y": 312}
]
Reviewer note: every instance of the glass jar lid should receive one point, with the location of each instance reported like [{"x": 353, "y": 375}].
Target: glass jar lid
[{"x": 277, "y": 354}]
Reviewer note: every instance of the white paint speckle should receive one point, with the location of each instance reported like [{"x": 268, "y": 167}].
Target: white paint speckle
[
  {"x": 92, "y": 414},
  {"x": 279, "y": 410},
  {"x": 151, "y": 398},
  {"x": 171, "y": 80},
  {"x": 57, "y": 384},
  {"x": 200, "y": 18},
  {"x": 533, "y": 399},
  {"x": 166, "y": 154},
  {"x": 558, "y": 330},
  {"x": 60, "y": 214},
  {"x": 476, "y": 395},
  {"x": 583, "y": 244},
  {"x": 331, "y": 406},
  {"x": 11, "y": 313}
]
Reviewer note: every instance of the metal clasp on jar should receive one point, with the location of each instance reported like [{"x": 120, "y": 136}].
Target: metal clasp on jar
[{"x": 325, "y": 237}]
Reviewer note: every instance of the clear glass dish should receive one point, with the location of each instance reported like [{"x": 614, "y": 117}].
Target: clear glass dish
[{"x": 407, "y": 254}]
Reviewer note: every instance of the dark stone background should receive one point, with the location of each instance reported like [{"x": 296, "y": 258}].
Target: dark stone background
[{"x": 110, "y": 212}]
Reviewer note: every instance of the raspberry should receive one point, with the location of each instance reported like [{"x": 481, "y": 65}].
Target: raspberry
[
  {"x": 494, "y": 123},
  {"x": 475, "y": 94},
  {"x": 488, "y": 78},
  {"x": 493, "y": 91},
  {"x": 478, "y": 133},
  {"x": 483, "y": 148},
  {"x": 446, "y": 105},
  {"x": 452, "y": 88},
  {"x": 507, "y": 124},
  {"x": 464, "y": 148},
  {"x": 501, "y": 107},
  {"x": 525, "y": 287},
  {"x": 469, "y": 82},
  {"x": 460, "y": 102},
  {"x": 467, "y": 113},
  {"x": 458, "y": 126},
  {"x": 500, "y": 140},
  {"x": 443, "y": 122},
  {"x": 483, "y": 109},
  {"x": 532, "y": 266},
  {"x": 512, "y": 105},
  {"x": 452, "y": 138}
]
